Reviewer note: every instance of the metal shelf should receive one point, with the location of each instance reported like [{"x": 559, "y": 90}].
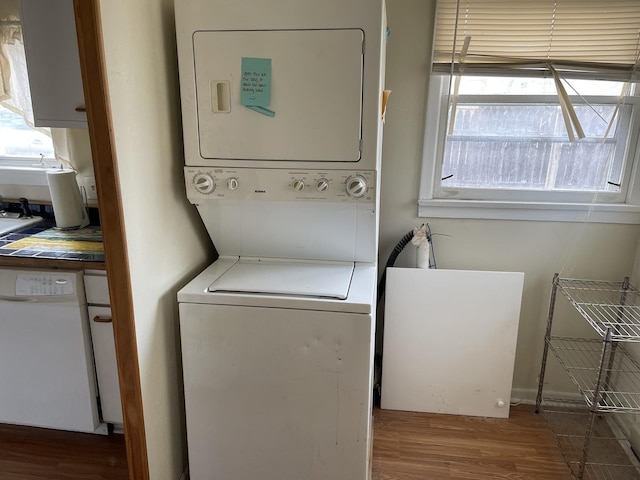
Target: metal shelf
[
  {"x": 606, "y": 376},
  {"x": 580, "y": 358},
  {"x": 606, "y": 305},
  {"x": 594, "y": 471},
  {"x": 609, "y": 455}
]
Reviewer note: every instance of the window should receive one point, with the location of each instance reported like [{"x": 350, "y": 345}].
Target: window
[
  {"x": 21, "y": 144},
  {"x": 526, "y": 119}
]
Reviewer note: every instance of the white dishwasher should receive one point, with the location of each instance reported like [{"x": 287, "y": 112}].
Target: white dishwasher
[{"x": 46, "y": 361}]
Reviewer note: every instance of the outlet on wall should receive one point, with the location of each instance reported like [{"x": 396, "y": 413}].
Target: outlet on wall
[{"x": 89, "y": 184}]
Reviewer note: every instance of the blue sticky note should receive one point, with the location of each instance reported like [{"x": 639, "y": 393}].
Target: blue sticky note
[
  {"x": 262, "y": 110},
  {"x": 255, "y": 88}
]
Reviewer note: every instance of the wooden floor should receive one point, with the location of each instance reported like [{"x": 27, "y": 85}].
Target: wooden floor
[
  {"x": 407, "y": 446},
  {"x": 416, "y": 446},
  {"x": 40, "y": 454}
]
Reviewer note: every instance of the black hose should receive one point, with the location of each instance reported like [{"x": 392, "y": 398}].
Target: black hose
[
  {"x": 379, "y": 331},
  {"x": 381, "y": 290},
  {"x": 391, "y": 261}
]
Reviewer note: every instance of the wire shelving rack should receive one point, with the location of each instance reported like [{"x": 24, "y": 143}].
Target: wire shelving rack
[{"x": 605, "y": 375}]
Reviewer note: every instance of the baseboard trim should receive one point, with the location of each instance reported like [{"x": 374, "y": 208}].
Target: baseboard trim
[{"x": 527, "y": 396}]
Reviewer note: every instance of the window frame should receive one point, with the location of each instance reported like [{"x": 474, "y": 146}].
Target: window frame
[{"x": 436, "y": 201}]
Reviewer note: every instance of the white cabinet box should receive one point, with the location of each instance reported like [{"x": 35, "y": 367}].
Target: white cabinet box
[
  {"x": 104, "y": 349},
  {"x": 53, "y": 62}
]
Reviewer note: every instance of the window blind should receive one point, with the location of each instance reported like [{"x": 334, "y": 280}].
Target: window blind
[{"x": 578, "y": 38}]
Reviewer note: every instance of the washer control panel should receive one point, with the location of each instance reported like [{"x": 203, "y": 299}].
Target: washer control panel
[{"x": 210, "y": 183}]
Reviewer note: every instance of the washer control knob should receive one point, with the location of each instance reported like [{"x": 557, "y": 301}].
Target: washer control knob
[
  {"x": 356, "y": 186},
  {"x": 298, "y": 185},
  {"x": 232, "y": 183},
  {"x": 322, "y": 185},
  {"x": 204, "y": 183}
]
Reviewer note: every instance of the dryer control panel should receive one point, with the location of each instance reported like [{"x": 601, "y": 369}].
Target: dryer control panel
[{"x": 210, "y": 183}]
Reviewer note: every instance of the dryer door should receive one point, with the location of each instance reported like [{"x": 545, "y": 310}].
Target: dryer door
[{"x": 306, "y": 85}]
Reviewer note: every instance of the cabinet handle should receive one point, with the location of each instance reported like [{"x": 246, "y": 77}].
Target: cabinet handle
[
  {"x": 100, "y": 319},
  {"x": 81, "y": 109}
]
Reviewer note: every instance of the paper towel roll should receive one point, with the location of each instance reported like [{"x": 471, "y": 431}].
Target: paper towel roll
[
  {"x": 422, "y": 259},
  {"x": 68, "y": 208}
]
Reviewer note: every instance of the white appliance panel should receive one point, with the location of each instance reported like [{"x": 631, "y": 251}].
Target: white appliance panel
[
  {"x": 342, "y": 232},
  {"x": 450, "y": 340},
  {"x": 276, "y": 393},
  {"x": 279, "y": 213},
  {"x": 270, "y": 184},
  {"x": 316, "y": 93},
  {"x": 46, "y": 361}
]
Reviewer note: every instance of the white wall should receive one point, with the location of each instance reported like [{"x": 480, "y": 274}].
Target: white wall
[
  {"x": 165, "y": 239},
  {"x": 539, "y": 249}
]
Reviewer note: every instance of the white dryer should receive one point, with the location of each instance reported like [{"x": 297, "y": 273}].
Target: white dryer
[{"x": 281, "y": 104}]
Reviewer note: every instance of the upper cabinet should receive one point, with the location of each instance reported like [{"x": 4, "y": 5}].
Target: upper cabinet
[{"x": 53, "y": 63}]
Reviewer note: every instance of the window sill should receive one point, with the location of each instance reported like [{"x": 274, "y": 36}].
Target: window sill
[
  {"x": 30, "y": 176},
  {"x": 530, "y": 211}
]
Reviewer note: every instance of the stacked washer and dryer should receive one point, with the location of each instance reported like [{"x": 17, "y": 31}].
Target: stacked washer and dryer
[{"x": 281, "y": 104}]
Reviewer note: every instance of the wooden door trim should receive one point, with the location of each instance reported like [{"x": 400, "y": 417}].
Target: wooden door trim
[{"x": 91, "y": 49}]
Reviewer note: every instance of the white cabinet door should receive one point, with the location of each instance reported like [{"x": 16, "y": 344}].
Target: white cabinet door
[
  {"x": 104, "y": 352},
  {"x": 104, "y": 347},
  {"x": 51, "y": 48},
  {"x": 97, "y": 288}
]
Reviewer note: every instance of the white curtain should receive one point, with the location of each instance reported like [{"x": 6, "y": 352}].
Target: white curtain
[{"x": 15, "y": 94}]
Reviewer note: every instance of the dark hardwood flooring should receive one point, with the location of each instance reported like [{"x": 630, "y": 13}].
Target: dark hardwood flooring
[
  {"x": 28, "y": 453},
  {"x": 407, "y": 446}
]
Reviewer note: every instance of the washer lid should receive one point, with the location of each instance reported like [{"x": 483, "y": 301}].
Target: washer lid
[{"x": 287, "y": 277}]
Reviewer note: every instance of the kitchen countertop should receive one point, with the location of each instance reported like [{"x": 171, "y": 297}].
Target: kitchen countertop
[{"x": 43, "y": 246}]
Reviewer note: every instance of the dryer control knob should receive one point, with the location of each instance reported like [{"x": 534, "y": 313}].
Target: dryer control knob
[
  {"x": 298, "y": 185},
  {"x": 322, "y": 185},
  {"x": 232, "y": 183},
  {"x": 356, "y": 186},
  {"x": 204, "y": 183}
]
